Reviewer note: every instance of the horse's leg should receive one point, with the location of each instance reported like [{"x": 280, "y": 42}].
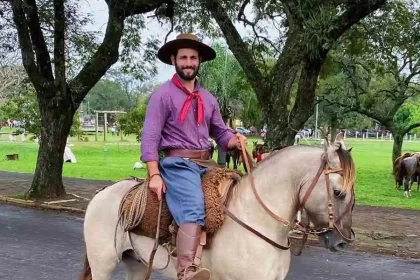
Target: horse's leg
[
  {"x": 135, "y": 270},
  {"x": 406, "y": 186},
  {"x": 227, "y": 160},
  {"x": 102, "y": 261}
]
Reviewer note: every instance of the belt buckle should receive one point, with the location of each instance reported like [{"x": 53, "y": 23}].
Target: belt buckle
[{"x": 203, "y": 154}]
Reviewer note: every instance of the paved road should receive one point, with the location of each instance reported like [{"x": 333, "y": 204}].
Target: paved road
[{"x": 37, "y": 245}]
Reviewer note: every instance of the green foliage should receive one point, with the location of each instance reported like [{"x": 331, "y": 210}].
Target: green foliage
[
  {"x": 407, "y": 114},
  {"x": 24, "y": 107},
  {"x": 109, "y": 95},
  {"x": 133, "y": 121},
  {"x": 225, "y": 78},
  {"x": 222, "y": 78}
]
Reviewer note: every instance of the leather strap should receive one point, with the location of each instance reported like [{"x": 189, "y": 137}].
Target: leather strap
[
  {"x": 268, "y": 240},
  {"x": 313, "y": 184},
  {"x": 193, "y": 154},
  {"x": 251, "y": 179}
]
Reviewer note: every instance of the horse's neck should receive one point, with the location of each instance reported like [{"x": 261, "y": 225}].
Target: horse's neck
[{"x": 277, "y": 190}]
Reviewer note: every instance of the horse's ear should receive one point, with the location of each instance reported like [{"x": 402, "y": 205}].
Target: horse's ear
[
  {"x": 339, "y": 141},
  {"x": 331, "y": 154},
  {"x": 349, "y": 150}
]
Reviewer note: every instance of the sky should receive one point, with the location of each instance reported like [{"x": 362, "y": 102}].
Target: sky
[{"x": 99, "y": 10}]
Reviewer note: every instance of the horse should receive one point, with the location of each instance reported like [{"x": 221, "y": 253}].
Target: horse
[
  {"x": 252, "y": 241},
  {"x": 234, "y": 155},
  {"x": 260, "y": 151},
  {"x": 407, "y": 171}
]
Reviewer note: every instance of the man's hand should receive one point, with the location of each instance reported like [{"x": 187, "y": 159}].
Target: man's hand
[
  {"x": 241, "y": 137},
  {"x": 157, "y": 186},
  {"x": 236, "y": 143}
]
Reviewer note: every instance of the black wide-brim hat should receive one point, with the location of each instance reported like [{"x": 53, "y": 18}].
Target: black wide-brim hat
[{"x": 185, "y": 40}]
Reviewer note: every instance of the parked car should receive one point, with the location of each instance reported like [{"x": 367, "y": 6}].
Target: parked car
[{"x": 243, "y": 130}]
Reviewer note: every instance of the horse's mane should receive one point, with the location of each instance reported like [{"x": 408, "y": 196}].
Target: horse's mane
[
  {"x": 346, "y": 161},
  {"x": 349, "y": 169}
]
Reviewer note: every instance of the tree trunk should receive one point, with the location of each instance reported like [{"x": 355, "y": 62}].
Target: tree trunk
[
  {"x": 279, "y": 135},
  {"x": 334, "y": 126},
  {"x": 397, "y": 147},
  {"x": 283, "y": 127},
  {"x": 56, "y": 119}
]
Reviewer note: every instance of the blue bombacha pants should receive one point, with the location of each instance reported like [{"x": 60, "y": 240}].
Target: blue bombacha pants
[{"x": 184, "y": 193}]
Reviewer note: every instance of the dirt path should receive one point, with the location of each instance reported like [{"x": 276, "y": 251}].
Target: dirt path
[
  {"x": 387, "y": 230},
  {"x": 382, "y": 230}
]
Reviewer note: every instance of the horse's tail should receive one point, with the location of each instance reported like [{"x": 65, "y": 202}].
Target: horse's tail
[{"x": 86, "y": 273}]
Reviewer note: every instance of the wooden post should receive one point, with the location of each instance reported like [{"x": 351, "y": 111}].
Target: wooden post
[
  {"x": 96, "y": 126},
  {"x": 105, "y": 125}
]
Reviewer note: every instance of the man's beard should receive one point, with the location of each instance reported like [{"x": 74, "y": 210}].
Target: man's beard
[{"x": 187, "y": 77}]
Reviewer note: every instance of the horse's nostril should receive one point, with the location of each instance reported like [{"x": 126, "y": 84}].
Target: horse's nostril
[{"x": 342, "y": 245}]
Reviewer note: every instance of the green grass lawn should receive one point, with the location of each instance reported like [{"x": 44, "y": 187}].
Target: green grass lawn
[{"x": 114, "y": 160}]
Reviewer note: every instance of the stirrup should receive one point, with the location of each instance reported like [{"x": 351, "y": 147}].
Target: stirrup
[{"x": 199, "y": 273}]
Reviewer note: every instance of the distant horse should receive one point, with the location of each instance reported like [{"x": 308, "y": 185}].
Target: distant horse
[
  {"x": 407, "y": 171},
  {"x": 235, "y": 155},
  {"x": 260, "y": 151},
  {"x": 212, "y": 148}
]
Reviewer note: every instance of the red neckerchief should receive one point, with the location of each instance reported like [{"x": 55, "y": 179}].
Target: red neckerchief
[
  {"x": 187, "y": 104},
  {"x": 259, "y": 157}
]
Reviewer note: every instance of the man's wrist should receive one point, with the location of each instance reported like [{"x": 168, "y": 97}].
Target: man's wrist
[{"x": 154, "y": 174}]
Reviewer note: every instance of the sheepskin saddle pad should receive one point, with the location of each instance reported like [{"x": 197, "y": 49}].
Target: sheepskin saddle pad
[{"x": 139, "y": 209}]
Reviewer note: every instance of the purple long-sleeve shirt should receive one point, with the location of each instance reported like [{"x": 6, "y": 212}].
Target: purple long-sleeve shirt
[{"x": 162, "y": 128}]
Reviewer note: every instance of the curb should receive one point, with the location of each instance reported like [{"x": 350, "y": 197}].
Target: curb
[{"x": 33, "y": 204}]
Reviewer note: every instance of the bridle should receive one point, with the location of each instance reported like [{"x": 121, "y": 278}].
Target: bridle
[
  {"x": 306, "y": 229},
  {"x": 332, "y": 223}
]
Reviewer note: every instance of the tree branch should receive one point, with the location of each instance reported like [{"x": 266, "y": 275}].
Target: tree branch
[
  {"x": 38, "y": 40},
  {"x": 288, "y": 63},
  {"x": 242, "y": 17},
  {"x": 373, "y": 115},
  {"x": 59, "y": 44},
  {"x": 301, "y": 110},
  {"x": 136, "y": 7},
  {"x": 27, "y": 51},
  {"x": 410, "y": 127},
  {"x": 356, "y": 11},
  {"x": 106, "y": 55},
  {"x": 237, "y": 45}
]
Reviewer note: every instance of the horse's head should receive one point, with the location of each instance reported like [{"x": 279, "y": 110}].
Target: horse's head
[{"x": 329, "y": 200}]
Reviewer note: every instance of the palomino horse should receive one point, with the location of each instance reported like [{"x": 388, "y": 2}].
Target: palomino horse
[
  {"x": 407, "y": 171},
  {"x": 319, "y": 180}
]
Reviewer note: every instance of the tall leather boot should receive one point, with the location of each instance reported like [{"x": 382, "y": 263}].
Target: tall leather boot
[{"x": 188, "y": 239}]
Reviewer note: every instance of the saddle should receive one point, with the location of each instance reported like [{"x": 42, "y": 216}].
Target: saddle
[{"x": 139, "y": 209}]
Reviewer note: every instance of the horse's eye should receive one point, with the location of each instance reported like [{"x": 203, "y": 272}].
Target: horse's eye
[{"x": 338, "y": 194}]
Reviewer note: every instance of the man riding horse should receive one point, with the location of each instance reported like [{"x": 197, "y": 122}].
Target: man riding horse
[{"x": 182, "y": 133}]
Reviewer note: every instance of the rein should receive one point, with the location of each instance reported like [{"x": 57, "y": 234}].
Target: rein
[{"x": 299, "y": 226}]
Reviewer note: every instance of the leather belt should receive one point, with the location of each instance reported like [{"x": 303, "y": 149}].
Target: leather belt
[{"x": 193, "y": 154}]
